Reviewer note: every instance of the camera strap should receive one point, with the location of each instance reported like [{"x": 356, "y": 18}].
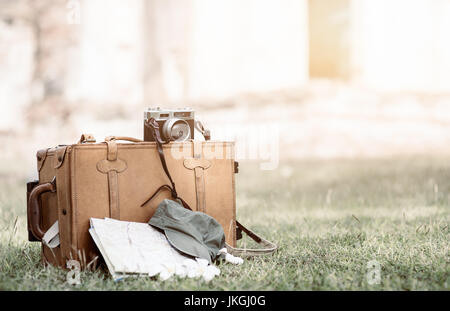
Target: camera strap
[
  {"x": 205, "y": 132},
  {"x": 153, "y": 125},
  {"x": 167, "y": 187}
]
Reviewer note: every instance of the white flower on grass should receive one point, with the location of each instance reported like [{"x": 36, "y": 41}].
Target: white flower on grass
[
  {"x": 230, "y": 258},
  {"x": 191, "y": 268},
  {"x": 180, "y": 271},
  {"x": 155, "y": 270},
  {"x": 233, "y": 259},
  {"x": 167, "y": 271},
  {"x": 207, "y": 271},
  {"x": 201, "y": 268}
]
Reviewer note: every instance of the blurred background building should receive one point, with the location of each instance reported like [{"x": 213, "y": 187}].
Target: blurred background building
[{"x": 343, "y": 78}]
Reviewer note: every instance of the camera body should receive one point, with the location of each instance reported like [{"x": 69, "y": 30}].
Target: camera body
[{"x": 174, "y": 124}]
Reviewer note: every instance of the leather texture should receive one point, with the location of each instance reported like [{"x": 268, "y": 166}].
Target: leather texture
[
  {"x": 113, "y": 179},
  {"x": 41, "y": 156},
  {"x": 199, "y": 165}
]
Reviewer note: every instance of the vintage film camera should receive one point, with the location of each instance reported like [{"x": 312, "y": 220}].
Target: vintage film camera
[{"x": 174, "y": 124}]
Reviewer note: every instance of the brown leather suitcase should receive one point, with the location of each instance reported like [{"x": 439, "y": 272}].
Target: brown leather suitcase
[{"x": 116, "y": 180}]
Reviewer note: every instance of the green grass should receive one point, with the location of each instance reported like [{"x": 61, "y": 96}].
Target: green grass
[{"x": 329, "y": 218}]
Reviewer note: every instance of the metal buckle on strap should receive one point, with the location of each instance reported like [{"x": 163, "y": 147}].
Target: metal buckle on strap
[{"x": 87, "y": 138}]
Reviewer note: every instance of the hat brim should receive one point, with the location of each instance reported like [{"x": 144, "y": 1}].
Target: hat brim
[{"x": 187, "y": 244}]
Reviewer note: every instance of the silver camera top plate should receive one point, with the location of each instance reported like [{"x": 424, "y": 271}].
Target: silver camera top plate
[{"x": 164, "y": 114}]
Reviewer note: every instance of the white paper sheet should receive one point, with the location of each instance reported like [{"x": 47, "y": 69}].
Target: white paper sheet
[{"x": 134, "y": 248}]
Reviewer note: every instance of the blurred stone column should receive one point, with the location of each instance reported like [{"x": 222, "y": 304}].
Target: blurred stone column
[
  {"x": 50, "y": 39},
  {"x": 165, "y": 44}
]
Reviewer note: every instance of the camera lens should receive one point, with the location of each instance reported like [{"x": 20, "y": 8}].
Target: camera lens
[{"x": 176, "y": 130}]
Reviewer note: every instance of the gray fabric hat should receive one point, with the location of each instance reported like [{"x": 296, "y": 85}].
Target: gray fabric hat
[{"x": 193, "y": 233}]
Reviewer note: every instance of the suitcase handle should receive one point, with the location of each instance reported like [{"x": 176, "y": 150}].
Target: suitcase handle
[
  {"x": 34, "y": 208},
  {"x": 89, "y": 138},
  {"x": 131, "y": 139}
]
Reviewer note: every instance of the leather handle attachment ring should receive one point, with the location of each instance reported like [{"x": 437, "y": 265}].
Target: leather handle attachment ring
[
  {"x": 204, "y": 131},
  {"x": 34, "y": 208}
]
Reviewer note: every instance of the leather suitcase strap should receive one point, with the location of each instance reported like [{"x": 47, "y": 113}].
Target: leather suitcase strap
[
  {"x": 112, "y": 166},
  {"x": 199, "y": 166},
  {"x": 267, "y": 246},
  {"x": 200, "y": 189},
  {"x": 114, "y": 210}
]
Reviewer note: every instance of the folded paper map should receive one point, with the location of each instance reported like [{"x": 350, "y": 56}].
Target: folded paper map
[{"x": 131, "y": 248}]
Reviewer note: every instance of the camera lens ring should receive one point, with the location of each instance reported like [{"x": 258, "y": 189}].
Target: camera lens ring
[{"x": 173, "y": 123}]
